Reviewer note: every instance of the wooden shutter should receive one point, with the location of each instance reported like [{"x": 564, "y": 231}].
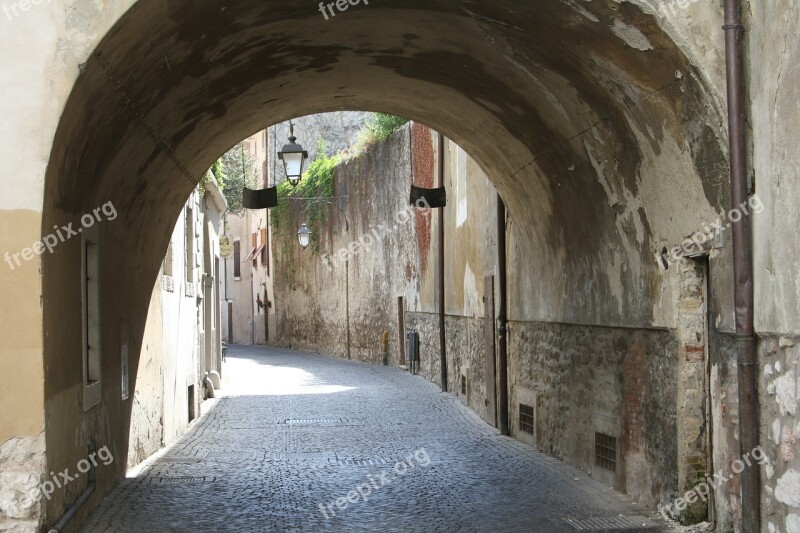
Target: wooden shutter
[
  {"x": 237, "y": 259},
  {"x": 264, "y": 250}
]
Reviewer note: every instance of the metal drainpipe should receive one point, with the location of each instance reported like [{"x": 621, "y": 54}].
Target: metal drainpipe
[
  {"x": 742, "y": 263},
  {"x": 82, "y": 499},
  {"x": 502, "y": 320},
  {"x": 347, "y": 304},
  {"x": 442, "y": 338}
]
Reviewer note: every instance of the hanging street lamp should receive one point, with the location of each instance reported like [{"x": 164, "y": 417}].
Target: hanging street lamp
[
  {"x": 293, "y": 156},
  {"x": 304, "y": 236}
]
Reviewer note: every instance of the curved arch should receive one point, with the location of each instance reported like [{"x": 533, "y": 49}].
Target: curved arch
[{"x": 594, "y": 126}]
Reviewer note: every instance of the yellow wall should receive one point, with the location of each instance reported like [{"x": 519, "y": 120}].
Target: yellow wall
[{"x": 22, "y": 386}]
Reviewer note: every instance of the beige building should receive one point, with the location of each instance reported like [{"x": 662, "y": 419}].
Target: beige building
[
  {"x": 182, "y": 334},
  {"x": 246, "y": 283}
]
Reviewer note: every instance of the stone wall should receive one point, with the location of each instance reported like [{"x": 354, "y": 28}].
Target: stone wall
[
  {"x": 466, "y": 356},
  {"x": 582, "y": 380},
  {"x": 364, "y": 247},
  {"x": 779, "y": 429},
  {"x": 22, "y": 469}
]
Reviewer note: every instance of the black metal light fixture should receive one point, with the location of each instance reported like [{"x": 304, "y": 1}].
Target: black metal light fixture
[
  {"x": 293, "y": 156},
  {"x": 304, "y": 236}
]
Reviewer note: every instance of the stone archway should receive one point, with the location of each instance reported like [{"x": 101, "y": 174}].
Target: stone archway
[{"x": 603, "y": 135}]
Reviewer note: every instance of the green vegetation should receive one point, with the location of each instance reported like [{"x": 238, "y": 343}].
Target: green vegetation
[
  {"x": 381, "y": 125},
  {"x": 237, "y": 169},
  {"x": 234, "y": 171},
  {"x": 317, "y": 183},
  {"x": 378, "y": 127}
]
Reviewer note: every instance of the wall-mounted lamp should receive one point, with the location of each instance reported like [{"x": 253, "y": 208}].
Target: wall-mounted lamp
[{"x": 304, "y": 236}]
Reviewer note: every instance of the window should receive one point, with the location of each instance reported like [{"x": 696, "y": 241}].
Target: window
[
  {"x": 90, "y": 270},
  {"x": 237, "y": 259},
  {"x": 254, "y": 253},
  {"x": 190, "y": 258},
  {"x": 168, "y": 260},
  {"x": 264, "y": 250}
]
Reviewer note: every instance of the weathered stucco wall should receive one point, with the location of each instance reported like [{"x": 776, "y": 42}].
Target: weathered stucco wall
[
  {"x": 147, "y": 391},
  {"x": 378, "y": 253}
]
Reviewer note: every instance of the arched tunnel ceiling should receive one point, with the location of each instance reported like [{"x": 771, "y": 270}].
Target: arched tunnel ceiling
[{"x": 565, "y": 104}]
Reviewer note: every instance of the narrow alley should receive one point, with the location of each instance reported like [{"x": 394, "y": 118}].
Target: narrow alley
[
  {"x": 229, "y": 229},
  {"x": 293, "y": 430}
]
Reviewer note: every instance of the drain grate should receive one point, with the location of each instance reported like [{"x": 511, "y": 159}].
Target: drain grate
[
  {"x": 178, "y": 460},
  {"x": 618, "y": 523},
  {"x": 300, "y": 456},
  {"x": 313, "y": 421},
  {"x": 365, "y": 462},
  {"x": 230, "y": 456},
  {"x": 181, "y": 480}
]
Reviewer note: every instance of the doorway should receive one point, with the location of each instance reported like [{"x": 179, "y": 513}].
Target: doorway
[{"x": 491, "y": 362}]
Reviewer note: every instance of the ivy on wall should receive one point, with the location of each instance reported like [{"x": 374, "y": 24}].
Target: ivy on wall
[{"x": 308, "y": 199}]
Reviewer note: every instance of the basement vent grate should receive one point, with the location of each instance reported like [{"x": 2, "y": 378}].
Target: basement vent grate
[
  {"x": 463, "y": 385},
  {"x": 605, "y": 451},
  {"x": 612, "y": 523},
  {"x": 526, "y": 418},
  {"x": 181, "y": 480},
  {"x": 313, "y": 421}
]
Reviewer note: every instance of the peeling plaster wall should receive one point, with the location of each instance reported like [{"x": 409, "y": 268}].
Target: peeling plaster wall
[{"x": 773, "y": 46}]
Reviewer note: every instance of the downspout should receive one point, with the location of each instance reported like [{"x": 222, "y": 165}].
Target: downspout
[
  {"x": 347, "y": 305},
  {"x": 742, "y": 264},
  {"x": 82, "y": 499},
  {"x": 502, "y": 320},
  {"x": 442, "y": 338}
]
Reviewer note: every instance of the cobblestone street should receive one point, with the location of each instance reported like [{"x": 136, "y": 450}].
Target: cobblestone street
[{"x": 292, "y": 432}]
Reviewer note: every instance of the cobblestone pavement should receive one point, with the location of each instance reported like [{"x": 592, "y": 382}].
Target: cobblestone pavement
[{"x": 292, "y": 431}]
